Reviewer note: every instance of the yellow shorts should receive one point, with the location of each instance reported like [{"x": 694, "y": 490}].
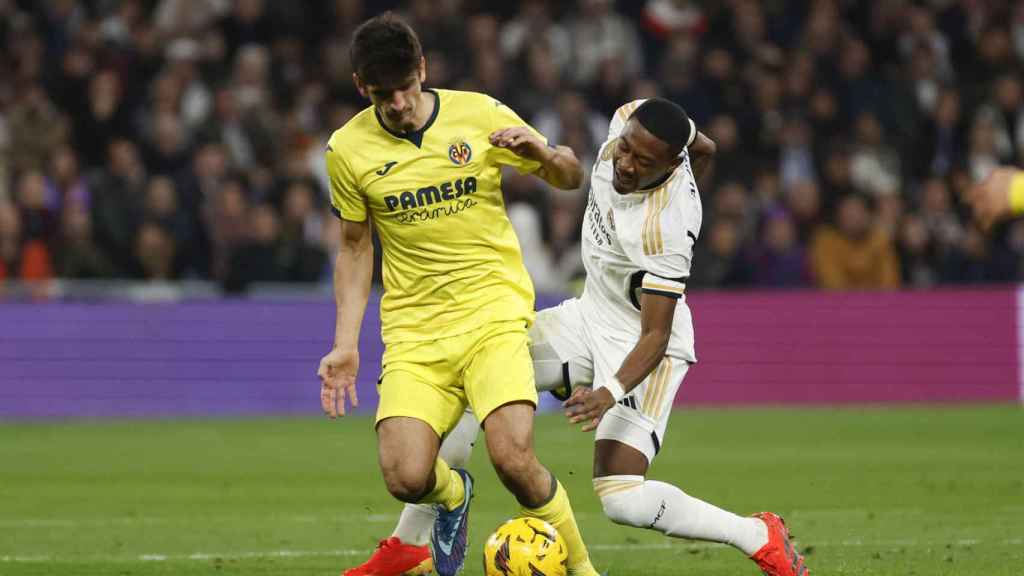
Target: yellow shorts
[{"x": 434, "y": 380}]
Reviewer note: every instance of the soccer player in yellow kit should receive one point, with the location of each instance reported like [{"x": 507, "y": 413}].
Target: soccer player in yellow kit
[{"x": 424, "y": 166}]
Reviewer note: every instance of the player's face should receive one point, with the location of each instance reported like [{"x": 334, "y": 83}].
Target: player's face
[
  {"x": 639, "y": 159},
  {"x": 397, "y": 103}
]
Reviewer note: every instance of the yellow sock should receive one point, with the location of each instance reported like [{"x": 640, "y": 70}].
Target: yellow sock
[
  {"x": 449, "y": 490},
  {"x": 558, "y": 513}
]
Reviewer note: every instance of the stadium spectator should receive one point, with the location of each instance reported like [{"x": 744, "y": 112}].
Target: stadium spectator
[
  {"x": 227, "y": 218},
  {"x": 154, "y": 253},
  {"x": 598, "y": 32},
  {"x": 118, "y": 201},
  {"x": 20, "y": 258},
  {"x": 255, "y": 260},
  {"x": 854, "y": 254},
  {"x": 36, "y": 128},
  {"x": 78, "y": 255},
  {"x": 161, "y": 207},
  {"x": 65, "y": 184},
  {"x": 721, "y": 262},
  {"x": 779, "y": 261}
]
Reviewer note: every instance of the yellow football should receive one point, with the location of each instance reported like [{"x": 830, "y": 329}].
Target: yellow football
[{"x": 525, "y": 547}]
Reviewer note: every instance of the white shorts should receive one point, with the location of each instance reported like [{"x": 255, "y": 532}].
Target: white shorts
[{"x": 562, "y": 337}]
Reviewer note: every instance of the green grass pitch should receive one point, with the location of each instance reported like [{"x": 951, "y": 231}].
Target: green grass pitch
[{"x": 885, "y": 491}]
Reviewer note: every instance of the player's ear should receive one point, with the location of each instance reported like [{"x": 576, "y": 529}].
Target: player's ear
[
  {"x": 422, "y": 72},
  {"x": 359, "y": 85}
]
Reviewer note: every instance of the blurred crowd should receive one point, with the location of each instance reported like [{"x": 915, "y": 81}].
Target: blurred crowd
[{"x": 183, "y": 139}]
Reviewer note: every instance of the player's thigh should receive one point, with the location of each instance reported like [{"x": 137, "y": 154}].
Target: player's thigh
[
  {"x": 498, "y": 370},
  {"x": 561, "y": 358},
  {"x": 638, "y": 421},
  {"x": 424, "y": 389}
]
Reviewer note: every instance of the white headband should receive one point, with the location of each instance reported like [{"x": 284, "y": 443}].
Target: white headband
[{"x": 693, "y": 136}]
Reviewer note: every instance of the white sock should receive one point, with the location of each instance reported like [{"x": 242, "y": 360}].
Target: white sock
[
  {"x": 415, "y": 523},
  {"x": 416, "y": 520},
  {"x": 634, "y": 501}
]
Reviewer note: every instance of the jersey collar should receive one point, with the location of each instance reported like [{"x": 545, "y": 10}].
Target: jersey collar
[
  {"x": 641, "y": 194},
  {"x": 659, "y": 182},
  {"x": 416, "y": 136}
]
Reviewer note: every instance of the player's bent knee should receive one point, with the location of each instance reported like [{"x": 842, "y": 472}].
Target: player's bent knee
[
  {"x": 515, "y": 466},
  {"x": 407, "y": 485},
  {"x": 619, "y": 496}
]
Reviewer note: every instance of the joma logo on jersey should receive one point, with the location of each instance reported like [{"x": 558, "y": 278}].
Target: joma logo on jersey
[{"x": 430, "y": 194}]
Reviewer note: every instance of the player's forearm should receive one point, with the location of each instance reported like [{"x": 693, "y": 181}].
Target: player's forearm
[
  {"x": 561, "y": 168},
  {"x": 353, "y": 273},
  {"x": 643, "y": 359},
  {"x": 702, "y": 154}
]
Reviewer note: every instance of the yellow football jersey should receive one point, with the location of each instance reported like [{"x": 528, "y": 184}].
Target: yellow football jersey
[{"x": 451, "y": 260}]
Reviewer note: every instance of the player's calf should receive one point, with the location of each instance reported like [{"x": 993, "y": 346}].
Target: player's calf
[
  {"x": 510, "y": 444},
  {"x": 525, "y": 477},
  {"x": 634, "y": 501}
]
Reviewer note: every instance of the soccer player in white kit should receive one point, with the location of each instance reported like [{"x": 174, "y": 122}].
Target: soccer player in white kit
[{"x": 625, "y": 345}]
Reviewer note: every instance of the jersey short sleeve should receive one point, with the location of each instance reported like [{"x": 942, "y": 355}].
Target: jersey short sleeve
[
  {"x": 504, "y": 117},
  {"x": 347, "y": 200},
  {"x": 668, "y": 235}
]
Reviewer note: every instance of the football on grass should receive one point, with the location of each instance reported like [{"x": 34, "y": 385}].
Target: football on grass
[{"x": 525, "y": 547}]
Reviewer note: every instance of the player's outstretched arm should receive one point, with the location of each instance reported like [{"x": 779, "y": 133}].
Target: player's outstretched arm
[
  {"x": 702, "y": 153},
  {"x": 559, "y": 165},
  {"x": 353, "y": 271},
  {"x": 998, "y": 196},
  {"x": 588, "y": 405}
]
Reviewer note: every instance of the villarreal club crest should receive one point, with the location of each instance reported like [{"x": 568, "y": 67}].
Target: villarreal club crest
[{"x": 459, "y": 152}]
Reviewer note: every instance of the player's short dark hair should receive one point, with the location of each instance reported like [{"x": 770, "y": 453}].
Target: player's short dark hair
[
  {"x": 667, "y": 121},
  {"x": 385, "y": 50}
]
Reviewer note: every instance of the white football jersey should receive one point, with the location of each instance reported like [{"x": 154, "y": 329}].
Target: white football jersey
[{"x": 639, "y": 242}]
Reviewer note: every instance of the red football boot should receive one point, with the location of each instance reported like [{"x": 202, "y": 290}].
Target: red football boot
[
  {"x": 777, "y": 557},
  {"x": 393, "y": 558}
]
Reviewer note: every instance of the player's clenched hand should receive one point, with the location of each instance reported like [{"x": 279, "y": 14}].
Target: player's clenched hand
[
  {"x": 522, "y": 141},
  {"x": 337, "y": 374},
  {"x": 588, "y": 406},
  {"x": 990, "y": 199}
]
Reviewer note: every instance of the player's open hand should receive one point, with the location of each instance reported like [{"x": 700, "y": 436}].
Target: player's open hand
[
  {"x": 990, "y": 198},
  {"x": 337, "y": 374},
  {"x": 522, "y": 141},
  {"x": 588, "y": 406}
]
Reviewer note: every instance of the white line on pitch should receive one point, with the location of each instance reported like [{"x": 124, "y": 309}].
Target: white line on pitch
[
  {"x": 205, "y": 556},
  {"x": 157, "y": 520},
  {"x": 384, "y": 518}
]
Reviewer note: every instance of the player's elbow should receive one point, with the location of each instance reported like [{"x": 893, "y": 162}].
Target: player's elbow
[
  {"x": 712, "y": 148},
  {"x": 704, "y": 146}
]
